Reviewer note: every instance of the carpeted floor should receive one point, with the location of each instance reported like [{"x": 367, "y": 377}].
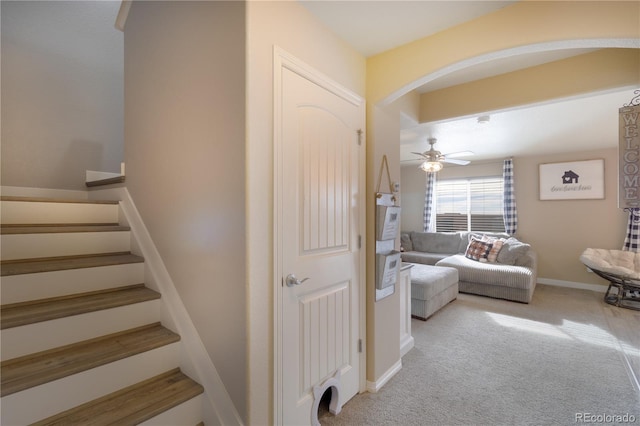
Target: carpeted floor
[{"x": 481, "y": 361}]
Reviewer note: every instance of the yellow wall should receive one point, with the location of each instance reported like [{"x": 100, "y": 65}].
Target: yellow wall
[
  {"x": 526, "y": 26},
  {"x": 602, "y": 70}
]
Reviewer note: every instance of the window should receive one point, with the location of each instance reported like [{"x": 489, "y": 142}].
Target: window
[{"x": 469, "y": 205}]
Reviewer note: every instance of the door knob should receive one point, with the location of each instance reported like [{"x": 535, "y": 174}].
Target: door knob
[{"x": 291, "y": 280}]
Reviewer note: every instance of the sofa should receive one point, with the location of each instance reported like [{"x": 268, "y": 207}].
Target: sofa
[{"x": 488, "y": 264}]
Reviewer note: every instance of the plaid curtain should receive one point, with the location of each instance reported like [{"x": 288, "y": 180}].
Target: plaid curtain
[
  {"x": 429, "y": 223},
  {"x": 510, "y": 213},
  {"x": 632, "y": 240}
]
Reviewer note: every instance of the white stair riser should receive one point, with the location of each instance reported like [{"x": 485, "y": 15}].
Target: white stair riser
[
  {"x": 25, "y": 287},
  {"x": 51, "y": 398},
  {"x": 22, "y": 212},
  {"x": 187, "y": 413},
  {"x": 26, "y": 339},
  {"x": 26, "y": 246}
]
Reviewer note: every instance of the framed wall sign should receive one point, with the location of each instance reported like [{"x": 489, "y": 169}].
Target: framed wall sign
[{"x": 576, "y": 180}]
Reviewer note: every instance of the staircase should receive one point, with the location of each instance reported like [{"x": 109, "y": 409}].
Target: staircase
[{"x": 82, "y": 341}]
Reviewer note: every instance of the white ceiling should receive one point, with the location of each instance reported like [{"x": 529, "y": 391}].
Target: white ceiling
[
  {"x": 373, "y": 26},
  {"x": 584, "y": 123},
  {"x": 587, "y": 123}
]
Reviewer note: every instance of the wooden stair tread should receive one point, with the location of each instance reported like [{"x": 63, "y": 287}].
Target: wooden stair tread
[
  {"x": 23, "y": 313},
  {"x": 53, "y": 229},
  {"x": 55, "y": 200},
  {"x": 30, "y": 266},
  {"x": 29, "y": 374},
  {"x": 131, "y": 405},
  {"x": 35, "y": 369}
]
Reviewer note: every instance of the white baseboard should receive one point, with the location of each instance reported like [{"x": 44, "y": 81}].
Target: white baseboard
[
  {"x": 571, "y": 284},
  {"x": 374, "y": 387},
  {"x": 406, "y": 345},
  {"x": 23, "y": 191}
]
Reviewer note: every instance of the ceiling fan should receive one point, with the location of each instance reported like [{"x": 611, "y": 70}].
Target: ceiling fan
[{"x": 433, "y": 159}]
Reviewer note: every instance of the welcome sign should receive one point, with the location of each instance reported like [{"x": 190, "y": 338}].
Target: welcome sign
[
  {"x": 629, "y": 158},
  {"x": 576, "y": 180}
]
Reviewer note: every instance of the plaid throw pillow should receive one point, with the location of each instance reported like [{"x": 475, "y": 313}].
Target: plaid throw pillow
[
  {"x": 495, "y": 249},
  {"x": 478, "y": 250}
]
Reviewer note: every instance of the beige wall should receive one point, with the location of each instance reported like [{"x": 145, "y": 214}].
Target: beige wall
[
  {"x": 561, "y": 230},
  {"x": 558, "y": 230},
  {"x": 291, "y": 27},
  {"x": 62, "y": 112},
  {"x": 383, "y": 316},
  {"x": 185, "y": 155}
]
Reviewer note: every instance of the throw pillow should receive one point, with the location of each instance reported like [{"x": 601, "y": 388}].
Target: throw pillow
[
  {"x": 511, "y": 250},
  {"x": 405, "y": 242},
  {"x": 497, "y": 242},
  {"x": 492, "y": 257},
  {"x": 478, "y": 250}
]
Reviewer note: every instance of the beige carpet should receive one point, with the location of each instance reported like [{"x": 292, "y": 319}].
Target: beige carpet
[{"x": 481, "y": 361}]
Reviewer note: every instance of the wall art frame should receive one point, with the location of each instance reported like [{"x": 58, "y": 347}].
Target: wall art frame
[{"x": 573, "y": 180}]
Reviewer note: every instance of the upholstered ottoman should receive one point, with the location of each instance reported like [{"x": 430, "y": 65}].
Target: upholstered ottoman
[{"x": 432, "y": 287}]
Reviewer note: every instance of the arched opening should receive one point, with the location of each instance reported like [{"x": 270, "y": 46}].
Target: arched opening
[
  {"x": 509, "y": 53},
  {"x": 323, "y": 405},
  {"x": 326, "y": 399}
]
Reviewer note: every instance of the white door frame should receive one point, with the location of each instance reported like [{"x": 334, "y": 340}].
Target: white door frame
[{"x": 283, "y": 60}]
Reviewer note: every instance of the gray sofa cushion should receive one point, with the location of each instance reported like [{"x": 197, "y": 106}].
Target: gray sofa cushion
[
  {"x": 424, "y": 258},
  {"x": 512, "y": 250},
  {"x": 528, "y": 260},
  {"x": 405, "y": 241},
  {"x": 513, "y": 281},
  {"x": 427, "y": 281},
  {"x": 435, "y": 242},
  {"x": 489, "y": 273}
]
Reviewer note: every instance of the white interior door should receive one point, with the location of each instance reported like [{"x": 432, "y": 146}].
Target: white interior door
[{"x": 320, "y": 212}]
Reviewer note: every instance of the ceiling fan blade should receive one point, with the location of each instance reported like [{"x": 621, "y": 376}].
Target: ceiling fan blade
[
  {"x": 454, "y": 161},
  {"x": 460, "y": 154},
  {"x": 419, "y": 153}
]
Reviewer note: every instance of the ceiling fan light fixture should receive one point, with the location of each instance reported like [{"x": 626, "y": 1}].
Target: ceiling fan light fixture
[{"x": 431, "y": 166}]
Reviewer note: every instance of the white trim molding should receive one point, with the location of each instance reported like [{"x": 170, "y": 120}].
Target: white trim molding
[
  {"x": 374, "y": 387},
  {"x": 571, "y": 284}
]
